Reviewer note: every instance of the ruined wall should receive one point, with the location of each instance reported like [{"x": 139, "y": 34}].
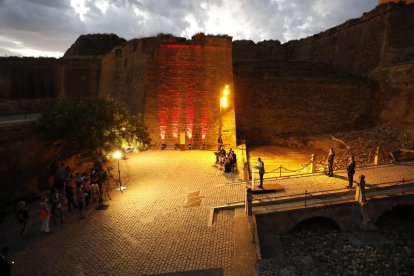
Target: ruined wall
[
  {"x": 397, "y": 94},
  {"x": 176, "y": 84},
  {"x": 282, "y": 107}
]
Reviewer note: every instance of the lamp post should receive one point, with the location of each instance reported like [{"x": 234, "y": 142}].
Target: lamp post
[
  {"x": 118, "y": 155},
  {"x": 223, "y": 104}
]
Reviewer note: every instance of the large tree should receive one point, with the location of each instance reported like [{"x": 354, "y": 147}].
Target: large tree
[{"x": 94, "y": 127}]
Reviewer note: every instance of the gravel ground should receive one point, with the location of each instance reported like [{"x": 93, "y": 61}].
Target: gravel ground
[{"x": 318, "y": 247}]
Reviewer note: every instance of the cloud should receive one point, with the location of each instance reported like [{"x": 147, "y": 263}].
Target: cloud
[{"x": 51, "y": 26}]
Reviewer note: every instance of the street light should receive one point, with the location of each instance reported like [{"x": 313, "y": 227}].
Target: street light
[
  {"x": 118, "y": 155},
  {"x": 223, "y": 104}
]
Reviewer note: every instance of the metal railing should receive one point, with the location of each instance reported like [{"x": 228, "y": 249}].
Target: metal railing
[{"x": 323, "y": 194}]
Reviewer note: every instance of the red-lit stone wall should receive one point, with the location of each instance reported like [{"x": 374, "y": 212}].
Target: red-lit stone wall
[
  {"x": 185, "y": 82},
  {"x": 176, "y": 85}
]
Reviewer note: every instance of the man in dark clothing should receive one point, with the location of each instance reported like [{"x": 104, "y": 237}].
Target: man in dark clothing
[
  {"x": 260, "y": 167},
  {"x": 351, "y": 171},
  {"x": 69, "y": 196},
  {"x": 331, "y": 158}
]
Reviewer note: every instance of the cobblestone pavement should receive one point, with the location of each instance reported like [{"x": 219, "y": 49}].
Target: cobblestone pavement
[
  {"x": 145, "y": 230},
  {"x": 159, "y": 224}
]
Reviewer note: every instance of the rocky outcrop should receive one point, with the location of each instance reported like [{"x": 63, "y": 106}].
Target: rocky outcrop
[{"x": 94, "y": 45}]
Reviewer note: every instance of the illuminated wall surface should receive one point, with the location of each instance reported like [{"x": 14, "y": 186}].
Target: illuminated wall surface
[
  {"x": 176, "y": 84},
  {"x": 395, "y": 1}
]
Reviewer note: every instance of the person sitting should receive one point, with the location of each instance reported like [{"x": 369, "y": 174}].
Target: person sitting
[
  {"x": 234, "y": 162},
  {"x": 227, "y": 165}
]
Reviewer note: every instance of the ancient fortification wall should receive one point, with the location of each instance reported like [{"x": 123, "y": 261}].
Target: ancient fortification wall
[
  {"x": 321, "y": 83},
  {"x": 281, "y": 107},
  {"x": 382, "y": 36},
  {"x": 176, "y": 85},
  {"x": 27, "y": 78},
  {"x": 395, "y": 1},
  {"x": 397, "y": 94},
  {"x": 313, "y": 85},
  {"x": 78, "y": 77}
]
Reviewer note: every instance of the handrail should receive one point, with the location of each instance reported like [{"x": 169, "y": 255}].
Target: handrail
[{"x": 306, "y": 195}]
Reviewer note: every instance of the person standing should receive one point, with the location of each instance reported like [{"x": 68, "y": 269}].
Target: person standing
[
  {"x": 351, "y": 171},
  {"x": 69, "y": 196},
  {"x": 56, "y": 201},
  {"x": 331, "y": 157},
  {"x": 44, "y": 215},
  {"x": 360, "y": 190},
  {"x": 260, "y": 167},
  {"x": 80, "y": 195}
]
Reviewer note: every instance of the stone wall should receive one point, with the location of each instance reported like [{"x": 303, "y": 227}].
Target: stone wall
[
  {"x": 397, "y": 94},
  {"x": 382, "y": 36},
  {"x": 28, "y": 78},
  {"x": 281, "y": 107},
  {"x": 124, "y": 74},
  {"x": 78, "y": 77},
  {"x": 395, "y": 1},
  {"x": 176, "y": 85}
]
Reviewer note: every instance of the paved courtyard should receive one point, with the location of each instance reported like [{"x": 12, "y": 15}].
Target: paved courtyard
[{"x": 160, "y": 223}]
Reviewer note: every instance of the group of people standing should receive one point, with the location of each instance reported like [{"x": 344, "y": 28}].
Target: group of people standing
[
  {"x": 330, "y": 160},
  {"x": 74, "y": 191},
  {"x": 350, "y": 168}
]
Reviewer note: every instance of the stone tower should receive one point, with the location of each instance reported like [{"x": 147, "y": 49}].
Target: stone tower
[
  {"x": 176, "y": 85},
  {"x": 395, "y": 1}
]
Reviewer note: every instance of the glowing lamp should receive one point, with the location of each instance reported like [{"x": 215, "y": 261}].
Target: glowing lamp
[
  {"x": 117, "y": 155},
  {"x": 224, "y": 102}
]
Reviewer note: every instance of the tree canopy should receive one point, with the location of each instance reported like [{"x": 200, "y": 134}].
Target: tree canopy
[{"x": 93, "y": 127}]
